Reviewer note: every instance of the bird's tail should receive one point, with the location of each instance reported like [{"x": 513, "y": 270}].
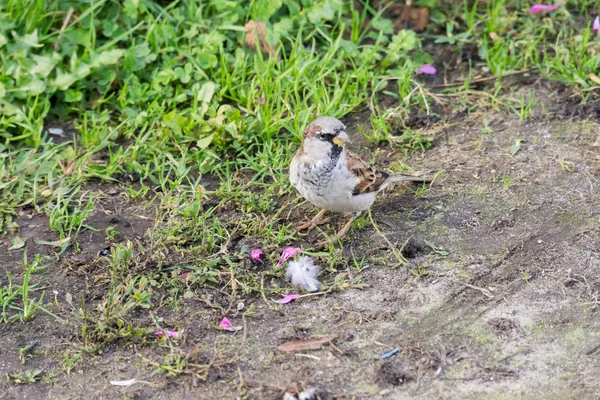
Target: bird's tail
[{"x": 408, "y": 178}]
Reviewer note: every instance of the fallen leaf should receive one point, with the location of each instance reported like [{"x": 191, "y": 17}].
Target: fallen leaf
[
  {"x": 57, "y": 243},
  {"x": 595, "y": 78},
  {"x": 306, "y": 344},
  {"x": 515, "y": 148},
  {"x": 257, "y": 30},
  {"x": 494, "y": 36},
  {"x": 123, "y": 383},
  {"x": 17, "y": 243},
  {"x": 287, "y": 299}
]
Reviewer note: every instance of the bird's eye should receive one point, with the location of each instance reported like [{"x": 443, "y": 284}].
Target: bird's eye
[{"x": 322, "y": 136}]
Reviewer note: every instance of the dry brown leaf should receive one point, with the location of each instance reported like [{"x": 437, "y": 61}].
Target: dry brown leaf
[
  {"x": 494, "y": 36},
  {"x": 306, "y": 344},
  {"x": 595, "y": 78},
  {"x": 254, "y": 30}
]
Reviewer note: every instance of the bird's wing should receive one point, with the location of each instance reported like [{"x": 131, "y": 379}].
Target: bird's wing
[{"x": 370, "y": 179}]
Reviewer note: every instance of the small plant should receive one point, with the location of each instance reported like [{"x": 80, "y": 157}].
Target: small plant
[
  {"x": 26, "y": 377},
  {"x": 111, "y": 233}
]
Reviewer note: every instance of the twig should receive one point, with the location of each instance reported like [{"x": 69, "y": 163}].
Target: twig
[
  {"x": 481, "y": 80},
  {"x": 64, "y": 26},
  {"x": 399, "y": 256},
  {"x": 486, "y": 292}
]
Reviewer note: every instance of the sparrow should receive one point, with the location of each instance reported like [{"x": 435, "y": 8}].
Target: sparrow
[{"x": 334, "y": 179}]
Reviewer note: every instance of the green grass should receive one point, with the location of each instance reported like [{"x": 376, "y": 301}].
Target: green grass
[{"x": 168, "y": 97}]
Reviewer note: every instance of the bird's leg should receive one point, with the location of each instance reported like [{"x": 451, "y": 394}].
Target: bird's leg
[
  {"x": 340, "y": 233},
  {"x": 317, "y": 220}
]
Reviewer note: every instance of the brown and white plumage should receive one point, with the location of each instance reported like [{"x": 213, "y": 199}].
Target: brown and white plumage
[{"x": 333, "y": 178}]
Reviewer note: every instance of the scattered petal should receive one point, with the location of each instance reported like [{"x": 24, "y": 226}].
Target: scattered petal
[
  {"x": 426, "y": 69},
  {"x": 225, "y": 324},
  {"x": 539, "y": 8},
  {"x": 185, "y": 275},
  {"x": 256, "y": 256},
  {"x": 123, "y": 383},
  {"x": 306, "y": 344},
  {"x": 390, "y": 353},
  {"x": 55, "y": 131},
  {"x": 287, "y": 299},
  {"x": 262, "y": 99},
  {"x": 596, "y": 25},
  {"x": 55, "y": 292},
  {"x": 170, "y": 334},
  {"x": 288, "y": 253}
]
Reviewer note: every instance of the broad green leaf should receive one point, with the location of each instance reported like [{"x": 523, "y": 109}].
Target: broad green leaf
[
  {"x": 17, "y": 243},
  {"x": 72, "y": 96},
  {"x": 30, "y": 40},
  {"x": 262, "y": 10},
  {"x": 63, "y": 81},
  {"x": 108, "y": 57},
  {"x": 34, "y": 87},
  {"x": 206, "y": 92},
  {"x": 3, "y": 40},
  {"x": 43, "y": 65},
  {"x": 205, "y": 142}
]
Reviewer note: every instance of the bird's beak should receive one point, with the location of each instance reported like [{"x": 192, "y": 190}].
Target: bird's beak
[{"x": 341, "y": 139}]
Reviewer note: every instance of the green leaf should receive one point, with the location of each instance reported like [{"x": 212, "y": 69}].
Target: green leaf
[
  {"x": 405, "y": 41},
  {"x": 63, "y": 81},
  {"x": 383, "y": 25},
  {"x": 206, "y": 60},
  {"x": 262, "y": 10},
  {"x": 3, "y": 40},
  {"x": 515, "y": 148},
  {"x": 43, "y": 65},
  {"x": 108, "y": 57},
  {"x": 34, "y": 87},
  {"x": 30, "y": 40},
  {"x": 2, "y": 90},
  {"x": 72, "y": 96},
  {"x": 205, "y": 142},
  {"x": 206, "y": 92},
  {"x": 17, "y": 243}
]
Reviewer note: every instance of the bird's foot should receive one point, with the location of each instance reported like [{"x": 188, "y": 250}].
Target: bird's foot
[
  {"x": 312, "y": 224},
  {"x": 338, "y": 235}
]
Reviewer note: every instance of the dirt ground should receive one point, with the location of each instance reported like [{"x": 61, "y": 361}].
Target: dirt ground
[{"x": 500, "y": 299}]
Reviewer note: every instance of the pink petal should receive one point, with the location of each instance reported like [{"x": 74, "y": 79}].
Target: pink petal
[
  {"x": 225, "y": 323},
  {"x": 288, "y": 253},
  {"x": 256, "y": 256},
  {"x": 538, "y": 8},
  {"x": 170, "y": 334},
  {"x": 596, "y": 25},
  {"x": 287, "y": 299},
  {"x": 262, "y": 98},
  {"x": 185, "y": 275},
  {"x": 554, "y": 7},
  {"x": 426, "y": 69}
]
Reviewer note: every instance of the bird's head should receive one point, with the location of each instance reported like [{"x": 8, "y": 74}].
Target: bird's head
[{"x": 324, "y": 136}]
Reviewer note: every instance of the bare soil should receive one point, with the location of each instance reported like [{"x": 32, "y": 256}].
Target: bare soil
[{"x": 500, "y": 297}]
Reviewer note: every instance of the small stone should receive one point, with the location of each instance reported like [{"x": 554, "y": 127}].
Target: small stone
[{"x": 240, "y": 306}]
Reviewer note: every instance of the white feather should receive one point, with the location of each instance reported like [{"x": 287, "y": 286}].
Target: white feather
[{"x": 303, "y": 272}]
